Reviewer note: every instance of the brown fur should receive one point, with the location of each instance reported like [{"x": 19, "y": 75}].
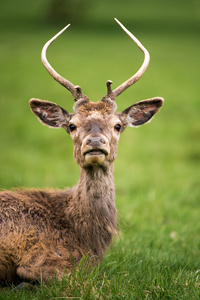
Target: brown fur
[{"x": 44, "y": 232}]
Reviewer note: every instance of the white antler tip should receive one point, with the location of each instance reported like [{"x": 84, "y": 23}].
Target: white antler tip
[
  {"x": 67, "y": 26},
  {"x": 117, "y": 21},
  {"x": 64, "y": 29}
]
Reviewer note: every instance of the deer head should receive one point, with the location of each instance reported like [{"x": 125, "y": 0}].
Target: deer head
[{"x": 95, "y": 128}]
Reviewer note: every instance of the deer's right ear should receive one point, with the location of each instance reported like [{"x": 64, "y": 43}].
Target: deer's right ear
[
  {"x": 141, "y": 112},
  {"x": 49, "y": 113}
]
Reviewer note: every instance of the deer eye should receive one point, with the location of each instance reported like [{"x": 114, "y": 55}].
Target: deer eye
[
  {"x": 118, "y": 127},
  {"x": 72, "y": 127}
]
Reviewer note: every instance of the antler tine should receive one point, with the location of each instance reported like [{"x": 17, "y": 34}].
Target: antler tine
[
  {"x": 75, "y": 90},
  {"x": 120, "y": 89}
]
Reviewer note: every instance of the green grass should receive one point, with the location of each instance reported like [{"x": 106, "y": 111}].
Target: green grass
[{"x": 157, "y": 253}]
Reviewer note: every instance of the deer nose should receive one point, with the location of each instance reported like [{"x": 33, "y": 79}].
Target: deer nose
[{"x": 95, "y": 142}]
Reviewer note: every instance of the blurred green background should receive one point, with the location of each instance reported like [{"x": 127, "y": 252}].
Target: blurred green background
[{"x": 157, "y": 172}]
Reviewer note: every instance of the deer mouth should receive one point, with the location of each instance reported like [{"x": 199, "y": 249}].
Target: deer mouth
[
  {"x": 95, "y": 157},
  {"x": 96, "y": 152}
]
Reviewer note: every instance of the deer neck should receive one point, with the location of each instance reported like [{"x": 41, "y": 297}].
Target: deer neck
[
  {"x": 96, "y": 186},
  {"x": 94, "y": 208}
]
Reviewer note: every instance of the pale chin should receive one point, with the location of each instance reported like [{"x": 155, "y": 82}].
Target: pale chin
[{"x": 92, "y": 159}]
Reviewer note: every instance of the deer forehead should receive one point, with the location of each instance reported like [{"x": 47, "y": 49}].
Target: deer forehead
[
  {"x": 87, "y": 108},
  {"x": 95, "y": 118}
]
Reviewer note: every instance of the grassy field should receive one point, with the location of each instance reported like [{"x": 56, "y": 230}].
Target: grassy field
[{"x": 157, "y": 173}]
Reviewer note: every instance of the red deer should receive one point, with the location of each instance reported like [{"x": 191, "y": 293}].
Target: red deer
[{"x": 47, "y": 232}]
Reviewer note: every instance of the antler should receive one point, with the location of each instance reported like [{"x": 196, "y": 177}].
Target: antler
[
  {"x": 120, "y": 89},
  {"x": 74, "y": 89}
]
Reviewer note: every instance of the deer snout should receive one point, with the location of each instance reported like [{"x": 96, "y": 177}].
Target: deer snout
[
  {"x": 95, "y": 141},
  {"x": 95, "y": 148}
]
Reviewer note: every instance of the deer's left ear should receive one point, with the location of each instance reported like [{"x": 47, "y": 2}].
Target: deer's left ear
[
  {"x": 49, "y": 113},
  {"x": 141, "y": 112}
]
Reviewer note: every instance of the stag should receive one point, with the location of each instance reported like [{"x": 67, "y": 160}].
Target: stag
[{"x": 47, "y": 232}]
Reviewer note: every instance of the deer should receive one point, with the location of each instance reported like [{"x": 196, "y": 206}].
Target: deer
[{"x": 47, "y": 232}]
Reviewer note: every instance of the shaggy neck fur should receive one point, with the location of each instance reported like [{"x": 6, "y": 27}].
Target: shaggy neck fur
[{"x": 94, "y": 204}]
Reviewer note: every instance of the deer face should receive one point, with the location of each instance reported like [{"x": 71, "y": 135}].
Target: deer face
[
  {"x": 95, "y": 128},
  {"x": 94, "y": 134}
]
